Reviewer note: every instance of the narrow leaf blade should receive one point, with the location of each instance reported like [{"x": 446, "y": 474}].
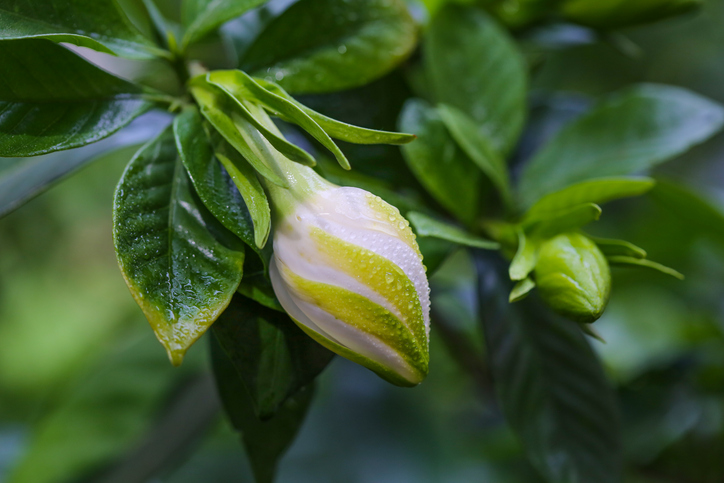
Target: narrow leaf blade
[{"x": 429, "y": 227}]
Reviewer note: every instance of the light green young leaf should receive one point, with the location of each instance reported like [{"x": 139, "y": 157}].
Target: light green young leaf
[
  {"x": 341, "y": 130},
  {"x": 631, "y": 131},
  {"x": 611, "y": 247},
  {"x": 438, "y": 163},
  {"x": 237, "y": 132},
  {"x": 240, "y": 85},
  {"x": 592, "y": 191},
  {"x": 521, "y": 290},
  {"x": 478, "y": 147},
  {"x": 251, "y": 191},
  {"x": 564, "y": 220},
  {"x": 326, "y": 45},
  {"x": 221, "y": 189},
  {"x": 181, "y": 265},
  {"x": 625, "y": 261},
  {"x": 525, "y": 257},
  {"x": 429, "y": 227},
  {"x": 474, "y": 65},
  {"x": 51, "y": 99},
  {"x": 243, "y": 109},
  {"x": 202, "y": 16},
  {"x": 98, "y": 25}
]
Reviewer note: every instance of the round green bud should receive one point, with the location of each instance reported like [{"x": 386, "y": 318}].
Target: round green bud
[{"x": 573, "y": 277}]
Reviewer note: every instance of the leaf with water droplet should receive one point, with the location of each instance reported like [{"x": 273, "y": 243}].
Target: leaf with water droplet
[
  {"x": 327, "y": 45},
  {"x": 171, "y": 249}
]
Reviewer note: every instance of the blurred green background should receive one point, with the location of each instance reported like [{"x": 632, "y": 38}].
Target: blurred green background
[{"x": 86, "y": 393}]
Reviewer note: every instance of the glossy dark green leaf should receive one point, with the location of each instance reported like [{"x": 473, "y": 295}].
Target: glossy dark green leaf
[
  {"x": 327, "y": 45},
  {"x": 479, "y": 148},
  {"x": 99, "y": 25},
  {"x": 181, "y": 265},
  {"x": 265, "y": 441},
  {"x": 218, "y": 110},
  {"x": 438, "y": 163},
  {"x": 105, "y": 412},
  {"x": 610, "y": 247},
  {"x": 273, "y": 357},
  {"x": 202, "y": 16},
  {"x": 337, "y": 129},
  {"x": 631, "y": 131},
  {"x": 625, "y": 261},
  {"x": 550, "y": 384},
  {"x": 569, "y": 219},
  {"x": 259, "y": 289},
  {"x": 51, "y": 99},
  {"x": 624, "y": 13},
  {"x": 217, "y": 189},
  {"x": 473, "y": 65},
  {"x": 593, "y": 191},
  {"x": 430, "y": 227}
]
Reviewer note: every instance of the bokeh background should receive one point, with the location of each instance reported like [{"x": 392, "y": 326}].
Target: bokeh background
[{"x": 87, "y": 394}]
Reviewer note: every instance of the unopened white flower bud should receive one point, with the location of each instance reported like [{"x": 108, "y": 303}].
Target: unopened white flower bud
[{"x": 347, "y": 269}]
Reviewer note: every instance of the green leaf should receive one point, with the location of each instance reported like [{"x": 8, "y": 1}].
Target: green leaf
[
  {"x": 51, "y": 99},
  {"x": 240, "y": 85},
  {"x": 438, "y": 163},
  {"x": 521, "y": 290},
  {"x": 624, "y": 261},
  {"x": 337, "y": 129},
  {"x": 98, "y": 25},
  {"x": 259, "y": 289},
  {"x": 105, "y": 412},
  {"x": 700, "y": 214},
  {"x": 525, "y": 257},
  {"x": 273, "y": 357},
  {"x": 611, "y": 247},
  {"x": 631, "y": 131},
  {"x": 593, "y": 191},
  {"x": 570, "y": 219},
  {"x": 271, "y": 134},
  {"x": 231, "y": 193},
  {"x": 615, "y": 14},
  {"x": 474, "y": 65},
  {"x": 251, "y": 190},
  {"x": 265, "y": 441},
  {"x": 429, "y": 227},
  {"x": 238, "y": 132},
  {"x": 181, "y": 265},
  {"x": 551, "y": 386},
  {"x": 203, "y": 16},
  {"x": 478, "y": 148},
  {"x": 325, "y": 45}
]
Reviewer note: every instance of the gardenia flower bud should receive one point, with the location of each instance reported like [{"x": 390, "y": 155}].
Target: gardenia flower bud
[
  {"x": 347, "y": 269},
  {"x": 573, "y": 277}
]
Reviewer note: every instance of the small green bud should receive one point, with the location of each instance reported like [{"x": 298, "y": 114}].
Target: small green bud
[{"x": 573, "y": 277}]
